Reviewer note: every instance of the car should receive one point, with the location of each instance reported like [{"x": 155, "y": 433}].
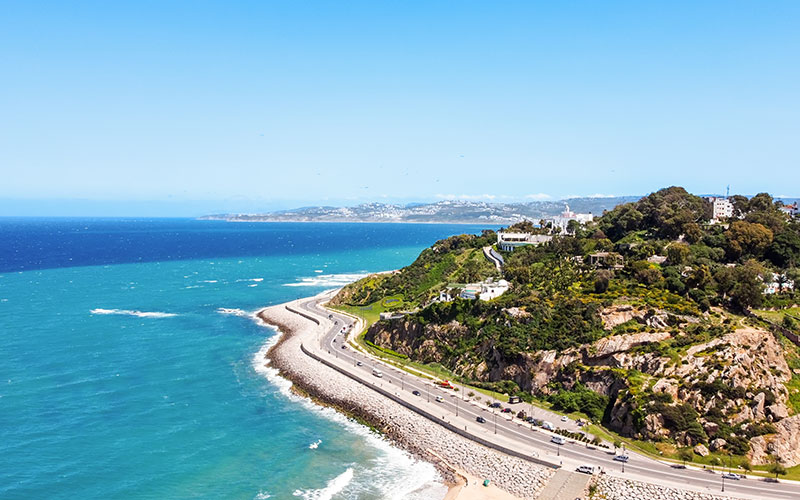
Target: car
[
  {"x": 622, "y": 458},
  {"x": 558, "y": 440},
  {"x": 480, "y": 420},
  {"x": 564, "y": 418},
  {"x": 335, "y": 322},
  {"x": 416, "y": 393},
  {"x": 495, "y": 405},
  {"x": 732, "y": 475},
  {"x": 530, "y": 420},
  {"x": 548, "y": 425},
  {"x": 439, "y": 399},
  {"x": 344, "y": 346},
  {"x": 359, "y": 363},
  {"x": 586, "y": 469},
  {"x": 506, "y": 410}
]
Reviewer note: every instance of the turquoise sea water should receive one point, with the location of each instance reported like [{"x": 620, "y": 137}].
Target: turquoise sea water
[{"x": 128, "y": 380}]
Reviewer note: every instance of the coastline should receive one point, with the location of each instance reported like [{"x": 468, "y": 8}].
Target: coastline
[{"x": 462, "y": 464}]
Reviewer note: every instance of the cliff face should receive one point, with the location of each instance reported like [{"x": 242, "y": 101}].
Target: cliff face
[{"x": 725, "y": 392}]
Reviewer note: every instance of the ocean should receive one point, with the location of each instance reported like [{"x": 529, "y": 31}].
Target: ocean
[{"x": 131, "y": 363}]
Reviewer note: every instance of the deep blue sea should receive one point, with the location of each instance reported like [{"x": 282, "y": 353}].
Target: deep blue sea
[{"x": 130, "y": 363}]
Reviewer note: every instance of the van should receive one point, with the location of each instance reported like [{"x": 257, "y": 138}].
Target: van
[
  {"x": 586, "y": 469},
  {"x": 548, "y": 426},
  {"x": 377, "y": 373},
  {"x": 558, "y": 440}
]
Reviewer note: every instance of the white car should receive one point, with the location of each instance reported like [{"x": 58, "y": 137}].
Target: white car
[
  {"x": 732, "y": 475},
  {"x": 622, "y": 458},
  {"x": 564, "y": 418},
  {"x": 586, "y": 469},
  {"x": 439, "y": 399},
  {"x": 558, "y": 440}
]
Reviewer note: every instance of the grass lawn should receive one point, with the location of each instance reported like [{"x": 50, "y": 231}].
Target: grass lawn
[{"x": 777, "y": 316}]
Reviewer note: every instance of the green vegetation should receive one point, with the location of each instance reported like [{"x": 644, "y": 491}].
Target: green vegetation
[{"x": 660, "y": 260}]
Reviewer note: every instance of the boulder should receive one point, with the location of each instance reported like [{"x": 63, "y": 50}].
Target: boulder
[
  {"x": 718, "y": 443},
  {"x": 701, "y": 450},
  {"x": 778, "y": 411}
]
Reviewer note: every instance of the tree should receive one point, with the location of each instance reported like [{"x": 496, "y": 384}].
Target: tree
[
  {"x": 601, "y": 281},
  {"x": 776, "y": 467},
  {"x": 740, "y": 205},
  {"x": 747, "y": 239},
  {"x": 742, "y": 284},
  {"x": 686, "y": 455},
  {"x": 785, "y": 249},
  {"x": 678, "y": 253}
]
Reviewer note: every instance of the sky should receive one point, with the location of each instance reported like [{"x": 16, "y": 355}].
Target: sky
[{"x": 186, "y": 108}]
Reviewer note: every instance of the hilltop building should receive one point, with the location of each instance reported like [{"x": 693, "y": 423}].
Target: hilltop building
[
  {"x": 721, "y": 208},
  {"x": 507, "y": 242},
  {"x": 790, "y": 210},
  {"x": 560, "y": 222},
  {"x": 485, "y": 290},
  {"x": 778, "y": 283}
]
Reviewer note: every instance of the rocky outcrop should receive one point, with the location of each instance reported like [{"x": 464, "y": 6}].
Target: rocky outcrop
[
  {"x": 737, "y": 378},
  {"x": 784, "y": 444}
]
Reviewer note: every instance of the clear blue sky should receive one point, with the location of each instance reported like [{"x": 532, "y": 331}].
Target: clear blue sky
[{"x": 190, "y": 107}]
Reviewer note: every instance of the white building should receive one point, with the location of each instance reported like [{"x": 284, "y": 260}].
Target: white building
[
  {"x": 779, "y": 284},
  {"x": 721, "y": 208},
  {"x": 507, "y": 242},
  {"x": 560, "y": 222},
  {"x": 486, "y": 290}
]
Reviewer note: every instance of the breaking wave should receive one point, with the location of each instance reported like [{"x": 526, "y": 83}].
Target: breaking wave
[
  {"x": 138, "y": 314},
  {"x": 327, "y": 280},
  {"x": 333, "y": 487}
]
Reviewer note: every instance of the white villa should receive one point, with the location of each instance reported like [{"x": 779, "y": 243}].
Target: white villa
[
  {"x": 486, "y": 290},
  {"x": 507, "y": 242},
  {"x": 779, "y": 284},
  {"x": 560, "y": 222}
]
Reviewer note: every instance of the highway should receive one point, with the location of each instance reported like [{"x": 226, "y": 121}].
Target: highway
[{"x": 512, "y": 433}]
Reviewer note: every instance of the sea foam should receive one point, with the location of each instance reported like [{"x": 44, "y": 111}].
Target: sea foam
[
  {"x": 328, "y": 280},
  {"x": 334, "y": 486},
  {"x": 138, "y": 314}
]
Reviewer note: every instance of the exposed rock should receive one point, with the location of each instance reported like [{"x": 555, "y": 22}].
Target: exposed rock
[
  {"x": 785, "y": 443},
  {"x": 717, "y": 444},
  {"x": 701, "y": 450},
  {"x": 778, "y": 412}
]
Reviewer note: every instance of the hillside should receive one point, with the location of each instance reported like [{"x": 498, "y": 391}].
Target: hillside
[
  {"x": 459, "y": 212},
  {"x": 656, "y": 340}
]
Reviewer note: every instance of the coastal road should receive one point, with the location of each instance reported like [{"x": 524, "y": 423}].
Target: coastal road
[{"x": 503, "y": 429}]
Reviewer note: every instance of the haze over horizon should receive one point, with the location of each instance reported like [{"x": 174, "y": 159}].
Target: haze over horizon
[{"x": 197, "y": 108}]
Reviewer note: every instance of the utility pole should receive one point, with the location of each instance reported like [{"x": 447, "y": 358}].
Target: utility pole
[{"x": 495, "y": 423}]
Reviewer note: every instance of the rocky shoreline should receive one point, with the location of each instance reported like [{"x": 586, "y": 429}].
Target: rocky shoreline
[{"x": 408, "y": 430}]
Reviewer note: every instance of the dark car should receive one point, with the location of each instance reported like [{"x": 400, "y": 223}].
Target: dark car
[
  {"x": 506, "y": 410},
  {"x": 416, "y": 393},
  {"x": 481, "y": 420},
  {"x": 530, "y": 420},
  {"x": 495, "y": 405},
  {"x": 344, "y": 347}
]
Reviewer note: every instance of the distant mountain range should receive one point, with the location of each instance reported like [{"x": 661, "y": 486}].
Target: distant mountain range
[{"x": 449, "y": 212}]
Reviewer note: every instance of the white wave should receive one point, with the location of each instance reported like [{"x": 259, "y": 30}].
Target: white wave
[
  {"x": 334, "y": 486},
  {"x": 250, "y": 279},
  {"x": 234, "y": 312},
  {"x": 251, "y": 286},
  {"x": 262, "y": 496},
  {"x": 328, "y": 280},
  {"x": 138, "y": 314},
  {"x": 315, "y": 444},
  {"x": 209, "y": 281},
  {"x": 192, "y": 286},
  {"x": 318, "y": 271}
]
